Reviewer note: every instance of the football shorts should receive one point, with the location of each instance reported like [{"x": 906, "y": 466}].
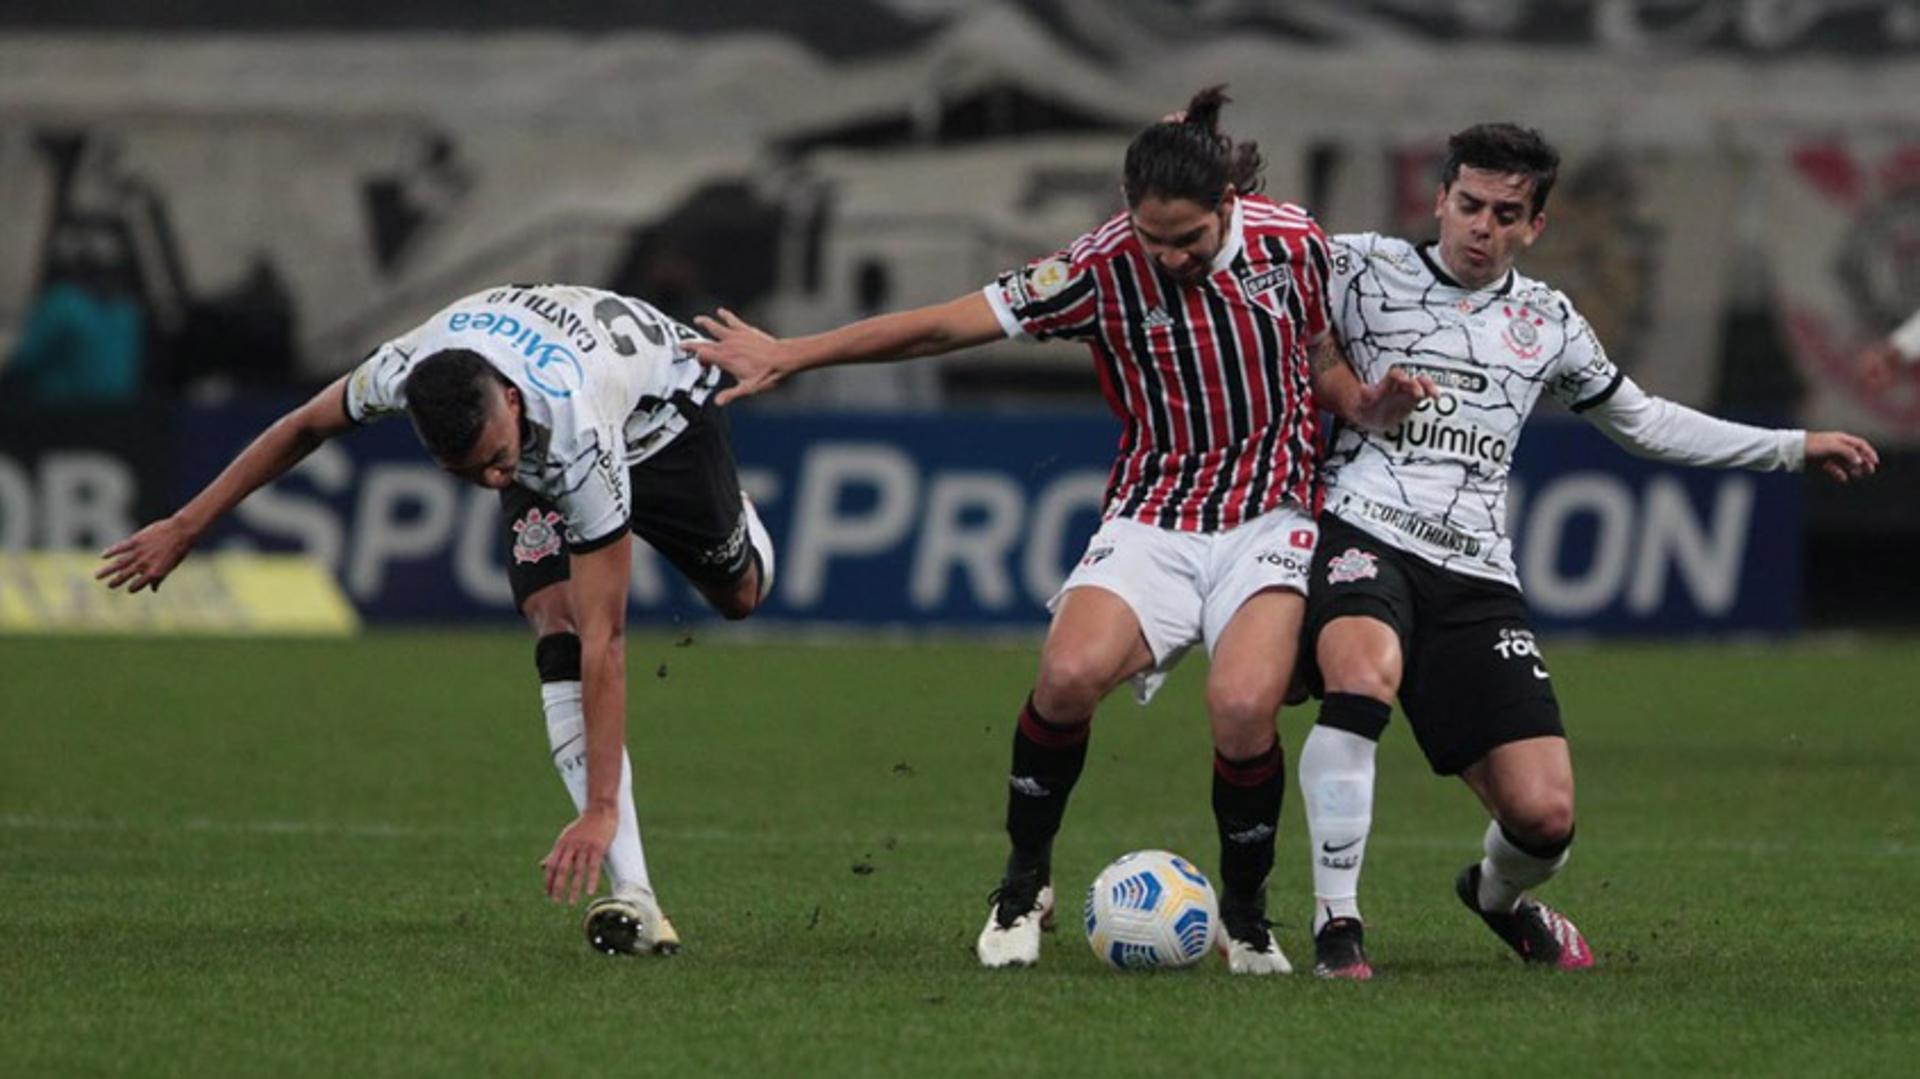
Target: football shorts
[
  {"x": 1472, "y": 675},
  {"x": 1184, "y": 587}
]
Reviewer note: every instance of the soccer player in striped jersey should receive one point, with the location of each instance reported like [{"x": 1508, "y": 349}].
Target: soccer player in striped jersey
[
  {"x": 585, "y": 410},
  {"x": 1202, "y": 304},
  {"x": 1413, "y": 590}
]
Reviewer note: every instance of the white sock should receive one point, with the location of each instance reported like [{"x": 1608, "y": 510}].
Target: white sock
[
  {"x": 1336, "y": 782},
  {"x": 762, "y": 544},
  {"x": 1507, "y": 871},
  {"x": 626, "y": 863}
]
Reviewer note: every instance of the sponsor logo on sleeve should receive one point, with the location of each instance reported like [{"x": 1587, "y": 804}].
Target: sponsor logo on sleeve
[{"x": 1048, "y": 277}]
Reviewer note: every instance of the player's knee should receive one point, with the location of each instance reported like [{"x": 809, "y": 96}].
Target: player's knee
[
  {"x": 1541, "y": 821},
  {"x": 1243, "y": 706},
  {"x": 1363, "y": 677},
  {"x": 737, "y": 600},
  {"x": 1069, "y": 685}
]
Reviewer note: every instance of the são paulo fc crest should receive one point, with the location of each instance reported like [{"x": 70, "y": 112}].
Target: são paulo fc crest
[
  {"x": 536, "y": 536},
  {"x": 1353, "y": 564},
  {"x": 1522, "y": 335}
]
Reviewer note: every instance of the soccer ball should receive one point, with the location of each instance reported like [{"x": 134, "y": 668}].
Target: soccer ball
[{"x": 1151, "y": 910}]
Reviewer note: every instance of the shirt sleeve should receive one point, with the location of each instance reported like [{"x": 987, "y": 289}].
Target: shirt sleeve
[
  {"x": 1053, "y": 298},
  {"x": 1317, "y": 282},
  {"x": 598, "y": 501},
  {"x": 1581, "y": 376},
  {"x": 377, "y": 388},
  {"x": 1346, "y": 263},
  {"x": 1654, "y": 427}
]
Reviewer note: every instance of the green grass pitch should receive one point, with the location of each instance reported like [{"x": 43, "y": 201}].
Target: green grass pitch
[{"x": 318, "y": 858}]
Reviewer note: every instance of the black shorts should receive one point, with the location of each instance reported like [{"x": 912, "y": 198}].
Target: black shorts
[
  {"x": 686, "y": 505},
  {"x": 1473, "y": 677}
]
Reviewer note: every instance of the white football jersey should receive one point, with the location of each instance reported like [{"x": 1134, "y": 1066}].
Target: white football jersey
[
  {"x": 1436, "y": 486},
  {"x": 605, "y": 379}
]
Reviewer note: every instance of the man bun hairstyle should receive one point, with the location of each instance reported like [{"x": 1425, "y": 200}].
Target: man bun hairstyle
[
  {"x": 1507, "y": 149},
  {"x": 447, "y": 397},
  {"x": 1191, "y": 158}
]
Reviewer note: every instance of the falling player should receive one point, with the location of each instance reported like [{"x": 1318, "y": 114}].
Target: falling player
[
  {"x": 585, "y": 410},
  {"x": 1413, "y": 588}
]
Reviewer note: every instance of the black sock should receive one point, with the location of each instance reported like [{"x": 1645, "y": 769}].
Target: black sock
[
  {"x": 1047, "y": 758},
  {"x": 1246, "y": 808}
]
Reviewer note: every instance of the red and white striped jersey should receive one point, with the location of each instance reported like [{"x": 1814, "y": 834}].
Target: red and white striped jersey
[{"x": 1211, "y": 377}]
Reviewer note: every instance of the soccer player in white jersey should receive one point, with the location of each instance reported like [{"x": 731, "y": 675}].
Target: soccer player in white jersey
[
  {"x": 1413, "y": 587},
  {"x": 1201, "y": 304},
  {"x": 585, "y": 410}
]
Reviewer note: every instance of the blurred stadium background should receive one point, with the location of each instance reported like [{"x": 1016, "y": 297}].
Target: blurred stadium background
[
  {"x": 258, "y": 194},
  {"x": 301, "y": 857}
]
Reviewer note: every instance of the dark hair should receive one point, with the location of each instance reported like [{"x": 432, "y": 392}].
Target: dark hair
[
  {"x": 447, "y": 397},
  {"x": 1506, "y": 149},
  {"x": 1191, "y": 158}
]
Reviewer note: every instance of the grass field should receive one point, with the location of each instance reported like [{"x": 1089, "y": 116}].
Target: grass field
[{"x": 318, "y": 859}]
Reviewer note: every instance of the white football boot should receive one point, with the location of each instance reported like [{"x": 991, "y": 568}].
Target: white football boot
[
  {"x": 630, "y": 922},
  {"x": 1249, "y": 945},
  {"x": 1014, "y": 923}
]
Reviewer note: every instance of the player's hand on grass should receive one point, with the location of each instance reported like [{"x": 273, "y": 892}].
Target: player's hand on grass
[
  {"x": 144, "y": 559},
  {"x": 1384, "y": 404},
  {"x": 745, "y": 351},
  {"x": 1841, "y": 455},
  {"x": 574, "y": 862}
]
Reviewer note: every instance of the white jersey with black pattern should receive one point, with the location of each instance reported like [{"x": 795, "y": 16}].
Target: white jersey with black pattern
[
  {"x": 605, "y": 381},
  {"x": 1436, "y": 485}
]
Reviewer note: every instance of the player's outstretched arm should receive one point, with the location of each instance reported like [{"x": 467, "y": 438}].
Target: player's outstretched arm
[
  {"x": 1379, "y": 406},
  {"x": 1655, "y": 427},
  {"x": 759, "y": 361},
  {"x": 599, "y": 584},
  {"x": 144, "y": 559}
]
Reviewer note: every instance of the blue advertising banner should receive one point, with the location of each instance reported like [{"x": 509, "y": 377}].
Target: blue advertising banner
[{"x": 972, "y": 521}]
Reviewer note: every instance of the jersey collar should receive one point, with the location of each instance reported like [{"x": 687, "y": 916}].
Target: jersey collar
[
  {"x": 1236, "y": 240},
  {"x": 1427, "y": 254}
]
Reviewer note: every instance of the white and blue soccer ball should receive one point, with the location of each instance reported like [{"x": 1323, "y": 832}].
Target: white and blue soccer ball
[{"x": 1151, "y": 910}]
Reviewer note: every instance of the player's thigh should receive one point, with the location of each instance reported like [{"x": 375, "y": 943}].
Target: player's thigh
[
  {"x": 1255, "y": 600},
  {"x": 1362, "y": 610},
  {"x": 1252, "y": 666},
  {"x": 1094, "y": 644},
  {"x": 537, "y": 568},
  {"x": 1360, "y": 653},
  {"x": 1527, "y": 785},
  {"x": 686, "y": 505},
  {"x": 1474, "y": 686},
  {"x": 1154, "y": 575}
]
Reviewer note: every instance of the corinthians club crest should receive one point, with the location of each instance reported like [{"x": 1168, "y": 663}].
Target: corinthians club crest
[
  {"x": 536, "y": 536},
  {"x": 1522, "y": 335}
]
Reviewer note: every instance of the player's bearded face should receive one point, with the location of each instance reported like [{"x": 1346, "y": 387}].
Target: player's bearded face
[
  {"x": 1486, "y": 220},
  {"x": 1181, "y": 235}
]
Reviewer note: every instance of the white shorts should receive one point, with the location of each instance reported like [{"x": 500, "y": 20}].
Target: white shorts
[{"x": 1185, "y": 587}]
